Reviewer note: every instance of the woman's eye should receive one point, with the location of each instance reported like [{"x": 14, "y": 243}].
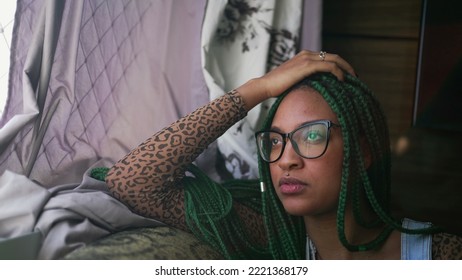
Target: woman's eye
[
  {"x": 313, "y": 136},
  {"x": 275, "y": 141}
]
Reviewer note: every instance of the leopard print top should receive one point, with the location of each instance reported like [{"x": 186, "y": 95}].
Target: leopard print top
[
  {"x": 446, "y": 246},
  {"x": 148, "y": 179}
]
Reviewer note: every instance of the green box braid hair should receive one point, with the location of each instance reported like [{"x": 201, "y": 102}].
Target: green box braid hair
[
  {"x": 360, "y": 116},
  {"x": 211, "y": 217}
]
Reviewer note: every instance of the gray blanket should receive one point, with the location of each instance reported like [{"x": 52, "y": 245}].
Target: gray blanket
[{"x": 68, "y": 216}]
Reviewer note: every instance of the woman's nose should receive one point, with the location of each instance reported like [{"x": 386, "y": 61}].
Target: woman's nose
[{"x": 289, "y": 158}]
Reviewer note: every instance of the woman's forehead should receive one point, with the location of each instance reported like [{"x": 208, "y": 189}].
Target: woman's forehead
[{"x": 302, "y": 105}]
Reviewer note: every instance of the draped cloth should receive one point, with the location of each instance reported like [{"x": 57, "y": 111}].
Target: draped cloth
[
  {"x": 243, "y": 40},
  {"x": 90, "y": 80}
]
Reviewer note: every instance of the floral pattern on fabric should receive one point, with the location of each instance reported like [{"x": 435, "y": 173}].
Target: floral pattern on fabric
[
  {"x": 284, "y": 45},
  {"x": 240, "y": 22},
  {"x": 241, "y": 40}
]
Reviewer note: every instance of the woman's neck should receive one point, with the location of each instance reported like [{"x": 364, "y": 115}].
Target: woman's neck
[{"x": 323, "y": 233}]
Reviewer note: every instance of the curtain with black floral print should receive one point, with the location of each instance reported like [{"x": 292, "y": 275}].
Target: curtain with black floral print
[{"x": 243, "y": 39}]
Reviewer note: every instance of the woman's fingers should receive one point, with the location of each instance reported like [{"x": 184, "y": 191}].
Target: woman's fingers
[
  {"x": 332, "y": 67},
  {"x": 329, "y": 57},
  {"x": 302, "y": 65},
  {"x": 338, "y": 60}
]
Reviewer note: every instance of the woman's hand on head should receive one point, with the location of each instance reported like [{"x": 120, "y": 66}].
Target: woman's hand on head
[{"x": 302, "y": 65}]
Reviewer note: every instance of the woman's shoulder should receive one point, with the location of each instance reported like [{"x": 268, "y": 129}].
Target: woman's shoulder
[{"x": 446, "y": 246}]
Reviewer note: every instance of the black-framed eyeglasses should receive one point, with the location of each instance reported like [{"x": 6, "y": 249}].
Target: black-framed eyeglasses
[{"x": 309, "y": 141}]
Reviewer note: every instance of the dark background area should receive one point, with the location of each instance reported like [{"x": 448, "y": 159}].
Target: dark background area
[
  {"x": 381, "y": 39},
  {"x": 439, "y": 77}
]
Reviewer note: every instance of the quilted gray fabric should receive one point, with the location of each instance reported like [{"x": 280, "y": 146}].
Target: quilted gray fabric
[{"x": 118, "y": 71}]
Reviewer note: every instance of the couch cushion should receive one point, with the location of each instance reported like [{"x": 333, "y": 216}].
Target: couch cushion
[{"x": 159, "y": 243}]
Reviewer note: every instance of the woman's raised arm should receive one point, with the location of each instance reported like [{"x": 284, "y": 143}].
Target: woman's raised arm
[{"x": 148, "y": 179}]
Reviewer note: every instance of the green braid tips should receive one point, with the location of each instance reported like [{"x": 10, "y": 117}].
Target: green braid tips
[{"x": 99, "y": 173}]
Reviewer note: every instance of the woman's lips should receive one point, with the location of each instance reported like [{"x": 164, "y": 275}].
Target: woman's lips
[{"x": 291, "y": 186}]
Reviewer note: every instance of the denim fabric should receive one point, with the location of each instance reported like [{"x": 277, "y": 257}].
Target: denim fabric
[{"x": 416, "y": 246}]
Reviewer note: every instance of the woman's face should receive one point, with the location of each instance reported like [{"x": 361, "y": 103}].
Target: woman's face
[{"x": 307, "y": 187}]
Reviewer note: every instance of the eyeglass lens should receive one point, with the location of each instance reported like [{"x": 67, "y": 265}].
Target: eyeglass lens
[{"x": 309, "y": 141}]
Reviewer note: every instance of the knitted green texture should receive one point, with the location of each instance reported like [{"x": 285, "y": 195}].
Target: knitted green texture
[
  {"x": 99, "y": 173},
  {"x": 211, "y": 217}
]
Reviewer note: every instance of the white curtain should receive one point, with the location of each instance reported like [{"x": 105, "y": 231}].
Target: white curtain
[{"x": 243, "y": 40}]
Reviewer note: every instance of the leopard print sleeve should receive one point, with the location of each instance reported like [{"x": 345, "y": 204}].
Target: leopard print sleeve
[
  {"x": 446, "y": 247},
  {"x": 148, "y": 179}
]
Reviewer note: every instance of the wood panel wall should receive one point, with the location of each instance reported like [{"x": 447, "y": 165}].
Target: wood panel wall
[{"x": 380, "y": 38}]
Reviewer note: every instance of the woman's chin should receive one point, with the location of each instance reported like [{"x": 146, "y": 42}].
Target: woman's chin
[{"x": 297, "y": 208}]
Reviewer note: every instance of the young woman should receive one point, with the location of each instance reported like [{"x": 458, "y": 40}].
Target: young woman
[{"x": 324, "y": 173}]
